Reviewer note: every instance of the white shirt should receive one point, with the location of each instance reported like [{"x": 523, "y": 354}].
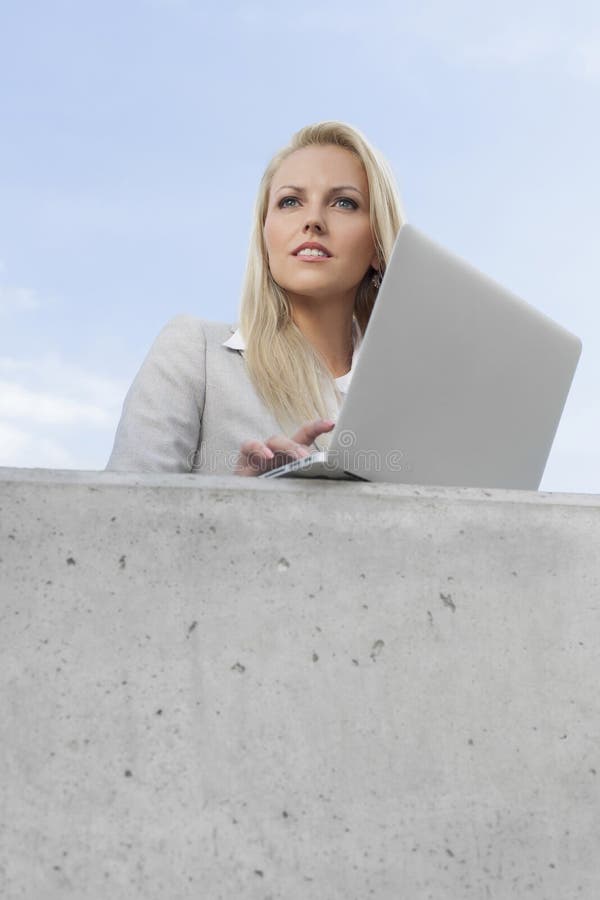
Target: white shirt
[{"x": 237, "y": 342}]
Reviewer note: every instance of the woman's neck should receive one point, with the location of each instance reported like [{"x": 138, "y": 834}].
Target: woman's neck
[{"x": 329, "y": 330}]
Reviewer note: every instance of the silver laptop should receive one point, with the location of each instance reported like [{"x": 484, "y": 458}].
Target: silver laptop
[{"x": 458, "y": 382}]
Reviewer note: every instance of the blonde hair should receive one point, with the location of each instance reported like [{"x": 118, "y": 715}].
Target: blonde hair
[{"x": 287, "y": 372}]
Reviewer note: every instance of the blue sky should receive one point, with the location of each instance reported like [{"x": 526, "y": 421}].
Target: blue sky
[{"x": 133, "y": 135}]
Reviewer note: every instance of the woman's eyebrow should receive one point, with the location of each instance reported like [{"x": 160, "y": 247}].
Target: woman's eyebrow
[
  {"x": 289, "y": 187},
  {"x": 333, "y": 190},
  {"x": 345, "y": 187}
]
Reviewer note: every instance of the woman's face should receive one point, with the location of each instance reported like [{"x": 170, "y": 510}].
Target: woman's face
[{"x": 319, "y": 197}]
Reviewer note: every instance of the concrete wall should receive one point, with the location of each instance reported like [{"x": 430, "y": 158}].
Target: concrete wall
[{"x": 220, "y": 688}]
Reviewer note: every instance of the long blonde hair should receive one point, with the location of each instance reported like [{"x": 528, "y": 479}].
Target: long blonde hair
[{"x": 288, "y": 374}]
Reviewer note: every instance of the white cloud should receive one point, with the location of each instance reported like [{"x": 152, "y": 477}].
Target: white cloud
[
  {"x": 25, "y": 449},
  {"x": 17, "y": 298},
  {"x": 41, "y": 407},
  {"x": 79, "y": 391},
  {"x": 56, "y": 414}
]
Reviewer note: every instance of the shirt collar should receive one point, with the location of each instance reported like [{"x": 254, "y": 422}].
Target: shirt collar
[{"x": 237, "y": 342}]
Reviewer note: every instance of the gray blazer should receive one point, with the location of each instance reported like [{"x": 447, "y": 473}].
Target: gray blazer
[{"x": 190, "y": 406}]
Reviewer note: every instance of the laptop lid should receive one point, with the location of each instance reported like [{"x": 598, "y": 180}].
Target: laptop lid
[{"x": 458, "y": 381}]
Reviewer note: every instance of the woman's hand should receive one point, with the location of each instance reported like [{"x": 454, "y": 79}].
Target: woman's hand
[{"x": 257, "y": 457}]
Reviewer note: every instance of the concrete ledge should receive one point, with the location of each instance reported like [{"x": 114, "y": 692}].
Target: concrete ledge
[{"x": 222, "y": 688}]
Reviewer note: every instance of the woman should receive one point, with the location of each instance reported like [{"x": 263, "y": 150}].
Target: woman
[{"x": 207, "y": 395}]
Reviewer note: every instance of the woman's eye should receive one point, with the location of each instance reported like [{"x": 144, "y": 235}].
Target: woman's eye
[
  {"x": 346, "y": 203},
  {"x": 288, "y": 202}
]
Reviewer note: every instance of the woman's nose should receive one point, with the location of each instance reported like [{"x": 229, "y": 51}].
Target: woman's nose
[
  {"x": 315, "y": 220},
  {"x": 314, "y": 223}
]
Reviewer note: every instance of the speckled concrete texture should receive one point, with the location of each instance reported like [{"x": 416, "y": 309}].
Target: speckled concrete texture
[{"x": 221, "y": 688}]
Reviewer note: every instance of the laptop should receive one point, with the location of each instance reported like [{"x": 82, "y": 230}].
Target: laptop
[{"x": 458, "y": 382}]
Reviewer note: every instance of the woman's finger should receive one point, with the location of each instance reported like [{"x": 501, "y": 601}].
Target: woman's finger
[
  {"x": 254, "y": 458},
  {"x": 257, "y": 457},
  {"x": 311, "y": 430},
  {"x": 284, "y": 446},
  {"x": 258, "y": 448}
]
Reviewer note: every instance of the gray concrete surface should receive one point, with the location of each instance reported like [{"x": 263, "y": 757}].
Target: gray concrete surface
[{"x": 220, "y": 688}]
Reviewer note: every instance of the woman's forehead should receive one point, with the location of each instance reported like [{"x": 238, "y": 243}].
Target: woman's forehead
[{"x": 320, "y": 164}]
